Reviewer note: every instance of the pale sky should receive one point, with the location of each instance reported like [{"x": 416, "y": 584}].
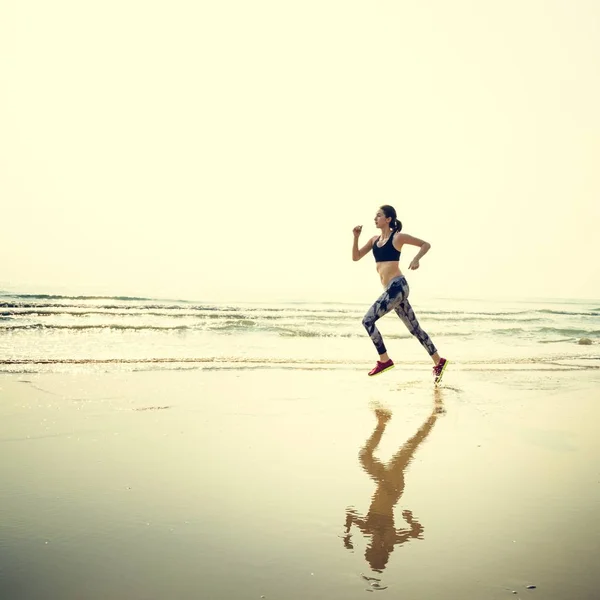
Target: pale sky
[{"x": 225, "y": 150}]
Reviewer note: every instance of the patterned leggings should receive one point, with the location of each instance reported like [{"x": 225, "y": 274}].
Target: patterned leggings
[{"x": 395, "y": 298}]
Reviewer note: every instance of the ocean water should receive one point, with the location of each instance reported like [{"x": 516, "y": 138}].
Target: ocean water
[
  {"x": 243, "y": 458},
  {"x": 52, "y": 333}
]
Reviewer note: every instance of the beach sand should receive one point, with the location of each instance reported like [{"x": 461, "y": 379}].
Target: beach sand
[{"x": 289, "y": 483}]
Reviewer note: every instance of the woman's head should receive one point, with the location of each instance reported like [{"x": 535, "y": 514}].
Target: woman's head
[{"x": 386, "y": 215}]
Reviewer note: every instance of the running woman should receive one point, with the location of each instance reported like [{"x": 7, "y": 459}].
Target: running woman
[{"x": 386, "y": 250}]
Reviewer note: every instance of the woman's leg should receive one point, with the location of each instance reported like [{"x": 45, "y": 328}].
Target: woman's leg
[
  {"x": 406, "y": 313},
  {"x": 383, "y": 305}
]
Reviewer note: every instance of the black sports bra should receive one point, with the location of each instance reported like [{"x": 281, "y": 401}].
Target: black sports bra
[{"x": 387, "y": 252}]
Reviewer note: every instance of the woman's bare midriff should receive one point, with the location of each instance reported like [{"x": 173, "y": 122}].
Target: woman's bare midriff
[{"x": 388, "y": 270}]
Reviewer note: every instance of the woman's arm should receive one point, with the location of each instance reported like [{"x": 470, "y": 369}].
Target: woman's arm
[
  {"x": 403, "y": 238},
  {"x": 356, "y": 253}
]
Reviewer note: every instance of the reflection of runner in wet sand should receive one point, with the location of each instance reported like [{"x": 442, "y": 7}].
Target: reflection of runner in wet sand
[{"x": 379, "y": 522}]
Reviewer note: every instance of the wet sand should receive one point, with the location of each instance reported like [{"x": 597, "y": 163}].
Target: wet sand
[{"x": 294, "y": 484}]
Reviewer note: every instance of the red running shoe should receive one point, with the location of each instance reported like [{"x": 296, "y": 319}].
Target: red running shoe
[
  {"x": 438, "y": 370},
  {"x": 381, "y": 367}
]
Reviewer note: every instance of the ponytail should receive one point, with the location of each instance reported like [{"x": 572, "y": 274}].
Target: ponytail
[{"x": 390, "y": 212}]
